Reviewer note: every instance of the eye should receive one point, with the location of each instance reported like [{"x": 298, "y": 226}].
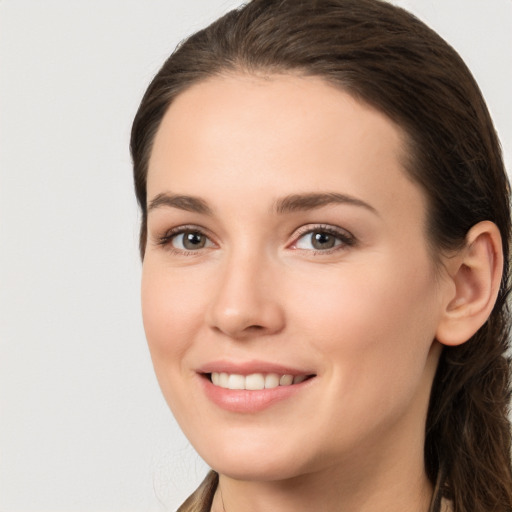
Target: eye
[
  {"x": 323, "y": 239},
  {"x": 189, "y": 240},
  {"x": 186, "y": 240}
]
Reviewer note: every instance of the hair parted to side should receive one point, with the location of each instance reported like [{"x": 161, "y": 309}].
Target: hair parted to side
[{"x": 386, "y": 57}]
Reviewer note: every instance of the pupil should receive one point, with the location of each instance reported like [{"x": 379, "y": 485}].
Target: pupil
[
  {"x": 323, "y": 240},
  {"x": 193, "y": 240}
]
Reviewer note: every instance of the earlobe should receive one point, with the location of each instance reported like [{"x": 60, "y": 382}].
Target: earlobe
[{"x": 475, "y": 275}]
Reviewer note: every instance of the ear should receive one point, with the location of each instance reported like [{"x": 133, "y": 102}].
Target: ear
[{"x": 474, "y": 281}]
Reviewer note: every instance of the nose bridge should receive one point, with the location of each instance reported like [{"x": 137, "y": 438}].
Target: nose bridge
[{"x": 246, "y": 303}]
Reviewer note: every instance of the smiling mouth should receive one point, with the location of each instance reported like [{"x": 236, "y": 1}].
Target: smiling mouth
[{"x": 254, "y": 381}]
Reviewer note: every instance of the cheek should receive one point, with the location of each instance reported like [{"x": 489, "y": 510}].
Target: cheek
[
  {"x": 172, "y": 314},
  {"x": 375, "y": 323},
  {"x": 171, "y": 311}
]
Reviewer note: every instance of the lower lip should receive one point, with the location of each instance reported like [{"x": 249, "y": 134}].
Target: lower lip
[{"x": 244, "y": 401}]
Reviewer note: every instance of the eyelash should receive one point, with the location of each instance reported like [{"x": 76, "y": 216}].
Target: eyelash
[
  {"x": 167, "y": 239},
  {"x": 346, "y": 239}
]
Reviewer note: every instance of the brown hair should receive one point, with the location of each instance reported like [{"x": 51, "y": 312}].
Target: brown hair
[{"x": 389, "y": 59}]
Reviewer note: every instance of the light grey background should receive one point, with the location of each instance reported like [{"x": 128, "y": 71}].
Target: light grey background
[{"x": 82, "y": 424}]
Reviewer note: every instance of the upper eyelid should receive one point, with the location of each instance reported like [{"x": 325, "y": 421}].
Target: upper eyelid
[
  {"x": 309, "y": 228},
  {"x": 167, "y": 234},
  {"x": 346, "y": 237},
  {"x": 187, "y": 227}
]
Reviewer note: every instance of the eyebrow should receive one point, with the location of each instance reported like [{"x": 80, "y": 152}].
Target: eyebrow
[
  {"x": 288, "y": 204},
  {"x": 187, "y": 203},
  {"x": 305, "y": 202}
]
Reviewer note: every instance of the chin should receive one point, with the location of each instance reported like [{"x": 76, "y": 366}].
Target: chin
[
  {"x": 254, "y": 462},
  {"x": 256, "y": 470}
]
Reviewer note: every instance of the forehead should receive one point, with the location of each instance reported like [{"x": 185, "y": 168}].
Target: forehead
[
  {"x": 268, "y": 110},
  {"x": 267, "y": 134}
]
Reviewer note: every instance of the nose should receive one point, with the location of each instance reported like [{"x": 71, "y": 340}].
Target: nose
[{"x": 246, "y": 303}]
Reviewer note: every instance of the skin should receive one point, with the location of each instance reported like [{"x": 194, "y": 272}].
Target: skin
[{"x": 361, "y": 316}]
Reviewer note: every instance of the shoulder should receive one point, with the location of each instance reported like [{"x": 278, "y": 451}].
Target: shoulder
[
  {"x": 446, "y": 506},
  {"x": 201, "y": 499}
]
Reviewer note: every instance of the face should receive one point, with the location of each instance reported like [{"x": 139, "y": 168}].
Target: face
[{"x": 289, "y": 299}]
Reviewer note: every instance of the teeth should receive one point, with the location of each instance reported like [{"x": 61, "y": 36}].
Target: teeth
[
  {"x": 236, "y": 381},
  {"x": 286, "y": 380},
  {"x": 254, "y": 381},
  {"x": 223, "y": 380},
  {"x": 271, "y": 381}
]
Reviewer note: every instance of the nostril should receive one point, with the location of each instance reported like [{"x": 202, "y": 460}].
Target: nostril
[{"x": 255, "y": 328}]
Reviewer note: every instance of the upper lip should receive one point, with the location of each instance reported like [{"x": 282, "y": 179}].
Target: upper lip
[{"x": 250, "y": 367}]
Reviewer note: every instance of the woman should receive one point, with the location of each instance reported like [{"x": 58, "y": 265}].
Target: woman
[{"x": 325, "y": 241}]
